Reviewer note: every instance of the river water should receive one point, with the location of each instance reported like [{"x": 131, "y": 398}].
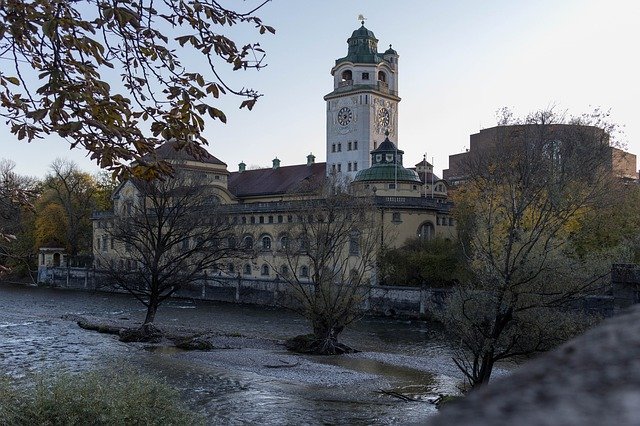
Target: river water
[{"x": 34, "y": 337}]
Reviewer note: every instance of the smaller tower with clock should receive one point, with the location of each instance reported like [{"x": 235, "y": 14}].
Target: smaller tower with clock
[{"x": 363, "y": 105}]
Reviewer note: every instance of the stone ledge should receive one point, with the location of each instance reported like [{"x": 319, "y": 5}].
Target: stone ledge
[{"x": 592, "y": 380}]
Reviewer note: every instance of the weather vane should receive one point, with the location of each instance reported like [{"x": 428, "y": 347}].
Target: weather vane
[{"x": 361, "y": 18}]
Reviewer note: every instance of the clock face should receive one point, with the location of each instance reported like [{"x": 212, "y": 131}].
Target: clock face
[
  {"x": 383, "y": 117},
  {"x": 344, "y": 116}
]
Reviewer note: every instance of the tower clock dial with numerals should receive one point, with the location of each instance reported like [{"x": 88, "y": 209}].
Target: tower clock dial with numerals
[
  {"x": 345, "y": 116},
  {"x": 383, "y": 118}
]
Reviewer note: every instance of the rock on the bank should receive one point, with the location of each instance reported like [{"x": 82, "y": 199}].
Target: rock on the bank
[{"x": 592, "y": 380}]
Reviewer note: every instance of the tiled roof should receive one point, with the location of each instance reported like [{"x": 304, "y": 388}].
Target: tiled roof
[
  {"x": 170, "y": 151},
  {"x": 282, "y": 180}
]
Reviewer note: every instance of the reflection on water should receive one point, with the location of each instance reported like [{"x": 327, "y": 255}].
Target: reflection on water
[{"x": 34, "y": 337}]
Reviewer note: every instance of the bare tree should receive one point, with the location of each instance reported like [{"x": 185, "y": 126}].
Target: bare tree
[
  {"x": 523, "y": 198},
  {"x": 329, "y": 253},
  {"x": 167, "y": 239}
]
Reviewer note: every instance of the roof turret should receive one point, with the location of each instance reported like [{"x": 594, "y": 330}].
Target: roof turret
[
  {"x": 363, "y": 47},
  {"x": 387, "y": 166}
]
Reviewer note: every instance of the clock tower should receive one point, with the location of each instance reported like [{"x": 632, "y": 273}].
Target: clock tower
[{"x": 363, "y": 105}]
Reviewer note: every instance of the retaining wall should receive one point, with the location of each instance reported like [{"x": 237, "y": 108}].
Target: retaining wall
[{"x": 413, "y": 302}]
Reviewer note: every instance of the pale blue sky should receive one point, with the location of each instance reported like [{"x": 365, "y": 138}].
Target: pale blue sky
[{"x": 460, "y": 61}]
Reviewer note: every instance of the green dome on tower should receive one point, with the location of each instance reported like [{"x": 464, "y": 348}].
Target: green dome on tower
[{"x": 363, "y": 48}]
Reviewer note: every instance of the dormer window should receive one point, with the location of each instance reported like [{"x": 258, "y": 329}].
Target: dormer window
[
  {"x": 389, "y": 158},
  {"x": 347, "y": 75},
  {"x": 378, "y": 158},
  {"x": 382, "y": 76},
  {"x": 365, "y": 76}
]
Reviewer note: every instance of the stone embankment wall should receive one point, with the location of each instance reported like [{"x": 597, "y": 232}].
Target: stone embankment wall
[{"x": 412, "y": 302}]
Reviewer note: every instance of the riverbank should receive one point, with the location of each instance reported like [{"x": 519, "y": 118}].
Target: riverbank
[
  {"x": 416, "y": 378},
  {"x": 249, "y": 377}
]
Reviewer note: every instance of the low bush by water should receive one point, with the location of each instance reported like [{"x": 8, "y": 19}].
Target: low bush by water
[{"x": 92, "y": 398}]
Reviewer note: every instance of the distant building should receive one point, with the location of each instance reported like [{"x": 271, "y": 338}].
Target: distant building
[
  {"x": 621, "y": 164},
  {"x": 362, "y": 119}
]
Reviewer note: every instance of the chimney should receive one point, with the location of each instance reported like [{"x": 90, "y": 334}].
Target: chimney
[
  {"x": 311, "y": 159},
  {"x": 242, "y": 167},
  {"x": 276, "y": 163}
]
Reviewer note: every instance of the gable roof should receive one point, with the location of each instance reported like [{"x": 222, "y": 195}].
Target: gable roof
[
  {"x": 282, "y": 180},
  {"x": 172, "y": 150}
]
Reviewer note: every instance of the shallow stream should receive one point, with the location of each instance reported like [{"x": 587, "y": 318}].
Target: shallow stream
[{"x": 35, "y": 338}]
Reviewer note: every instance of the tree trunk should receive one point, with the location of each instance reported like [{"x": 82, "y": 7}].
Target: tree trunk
[
  {"x": 326, "y": 339},
  {"x": 486, "y": 368},
  {"x": 151, "y": 312}
]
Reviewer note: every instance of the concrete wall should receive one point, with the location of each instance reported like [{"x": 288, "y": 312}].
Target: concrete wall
[{"x": 411, "y": 302}]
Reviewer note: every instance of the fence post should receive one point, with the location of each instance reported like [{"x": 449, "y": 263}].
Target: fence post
[{"x": 238, "y": 289}]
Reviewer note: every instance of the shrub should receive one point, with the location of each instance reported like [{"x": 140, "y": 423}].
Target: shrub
[{"x": 93, "y": 398}]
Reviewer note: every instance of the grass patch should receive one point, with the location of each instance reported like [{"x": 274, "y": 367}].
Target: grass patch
[{"x": 93, "y": 398}]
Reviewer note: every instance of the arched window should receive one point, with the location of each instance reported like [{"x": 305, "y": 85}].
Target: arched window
[
  {"x": 304, "y": 272},
  {"x": 426, "y": 231},
  {"x": 284, "y": 270},
  {"x": 284, "y": 242},
  {"x": 354, "y": 275},
  {"x": 347, "y": 75},
  {"x": 247, "y": 242},
  {"x": 382, "y": 76},
  {"x": 264, "y": 270},
  {"x": 231, "y": 242},
  {"x": 266, "y": 242},
  {"x": 354, "y": 243},
  {"x": 303, "y": 243},
  {"x": 247, "y": 269}
]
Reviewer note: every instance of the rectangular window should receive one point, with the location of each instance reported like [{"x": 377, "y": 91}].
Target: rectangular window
[
  {"x": 392, "y": 186},
  {"x": 339, "y": 147},
  {"x": 289, "y": 218},
  {"x": 113, "y": 244},
  {"x": 349, "y": 146},
  {"x": 339, "y": 167},
  {"x": 450, "y": 221},
  {"x": 333, "y": 168},
  {"x": 270, "y": 219},
  {"x": 333, "y": 148},
  {"x": 355, "y": 145},
  {"x": 349, "y": 167},
  {"x": 253, "y": 219},
  {"x": 395, "y": 217},
  {"x": 355, "y": 166},
  {"x": 354, "y": 245},
  {"x": 244, "y": 220},
  {"x": 365, "y": 76},
  {"x": 280, "y": 219},
  {"x": 261, "y": 219}
]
